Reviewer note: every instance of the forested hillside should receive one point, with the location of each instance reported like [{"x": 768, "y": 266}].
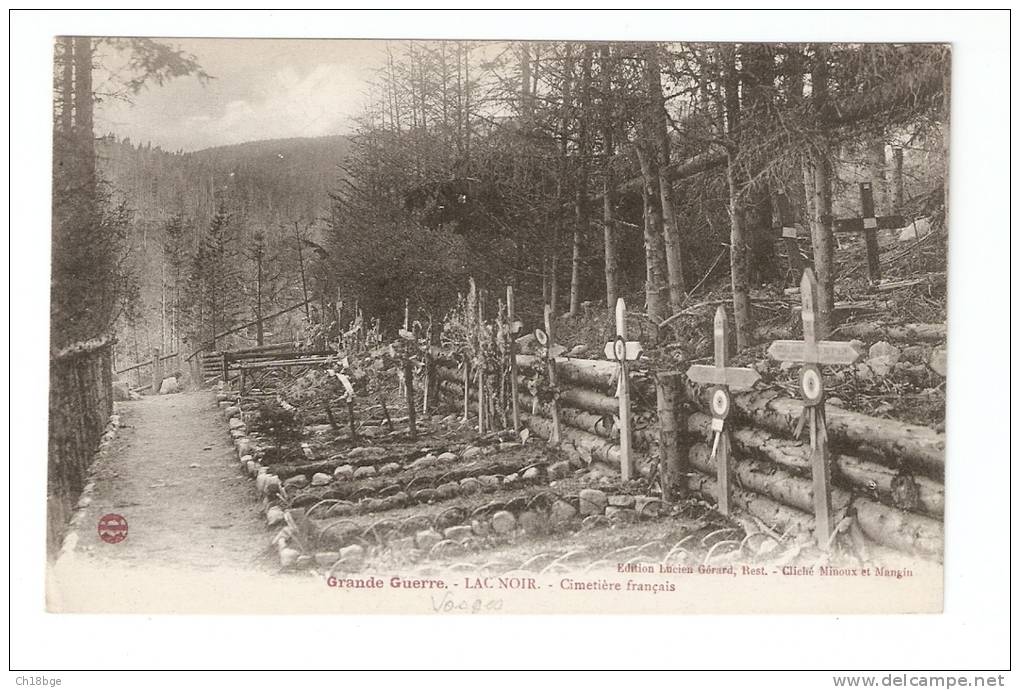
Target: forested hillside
[
  {"x": 576, "y": 172},
  {"x": 262, "y": 187}
]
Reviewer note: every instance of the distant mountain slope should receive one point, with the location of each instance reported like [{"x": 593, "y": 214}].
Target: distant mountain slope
[{"x": 266, "y": 182}]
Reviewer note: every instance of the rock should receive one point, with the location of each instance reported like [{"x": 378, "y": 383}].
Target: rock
[
  {"x": 937, "y": 361},
  {"x": 365, "y": 472},
  {"x": 864, "y": 372},
  {"x": 298, "y": 481},
  {"x": 577, "y": 350},
  {"x": 879, "y": 366},
  {"x": 508, "y": 445},
  {"x": 621, "y": 514},
  {"x": 593, "y": 501},
  {"x": 481, "y": 528},
  {"x": 427, "y": 538},
  {"x": 489, "y": 481},
  {"x": 243, "y": 446},
  {"x": 370, "y": 432},
  {"x": 289, "y": 557},
  {"x": 647, "y": 506},
  {"x": 232, "y": 411},
  {"x": 621, "y": 501},
  {"x": 559, "y": 470},
  {"x": 366, "y": 452},
  {"x": 235, "y": 423},
  {"x": 470, "y": 452},
  {"x": 397, "y": 500},
  {"x": 401, "y": 543},
  {"x": 325, "y": 559},
  {"x": 916, "y": 229},
  {"x": 121, "y": 391},
  {"x": 786, "y": 366},
  {"x": 389, "y": 468},
  {"x": 562, "y": 512},
  {"x": 169, "y": 385},
  {"x": 274, "y": 516},
  {"x": 458, "y": 532},
  {"x": 913, "y": 353},
  {"x": 321, "y": 479},
  {"x": 354, "y": 552},
  {"x": 531, "y": 521},
  {"x": 836, "y": 402},
  {"x": 447, "y": 490},
  {"x": 344, "y": 472},
  {"x": 503, "y": 521},
  {"x": 270, "y": 485},
  {"x": 511, "y": 479},
  {"x": 425, "y": 461},
  {"x": 532, "y": 473},
  {"x": 250, "y": 466},
  {"x": 447, "y": 457},
  {"x": 470, "y": 485},
  {"x": 884, "y": 350}
]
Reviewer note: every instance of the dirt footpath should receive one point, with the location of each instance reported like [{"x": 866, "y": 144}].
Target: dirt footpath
[{"x": 171, "y": 474}]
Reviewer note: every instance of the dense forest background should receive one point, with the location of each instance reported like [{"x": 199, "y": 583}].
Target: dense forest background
[{"x": 576, "y": 172}]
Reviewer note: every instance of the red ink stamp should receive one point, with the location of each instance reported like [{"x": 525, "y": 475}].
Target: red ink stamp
[{"x": 113, "y": 528}]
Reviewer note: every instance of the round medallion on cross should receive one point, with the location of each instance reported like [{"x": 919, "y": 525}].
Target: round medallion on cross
[
  {"x": 720, "y": 402},
  {"x": 811, "y": 384}
]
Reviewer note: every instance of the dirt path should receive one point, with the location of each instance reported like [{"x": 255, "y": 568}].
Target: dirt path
[{"x": 171, "y": 474}]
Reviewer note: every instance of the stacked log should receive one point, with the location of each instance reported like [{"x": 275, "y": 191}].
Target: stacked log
[{"x": 885, "y": 473}]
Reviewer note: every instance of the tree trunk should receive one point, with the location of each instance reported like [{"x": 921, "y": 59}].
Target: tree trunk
[
  {"x": 660, "y": 134},
  {"x": 670, "y": 462},
  {"x": 883, "y": 524},
  {"x": 758, "y": 74},
  {"x": 850, "y": 471},
  {"x": 86, "y": 175},
  {"x": 656, "y": 286},
  {"x": 67, "y": 87},
  {"x": 581, "y": 207},
  {"x": 897, "y": 181},
  {"x": 562, "y": 186},
  {"x": 913, "y": 447},
  {"x": 608, "y": 182},
  {"x": 821, "y": 226},
  {"x": 876, "y": 171},
  {"x": 739, "y": 279}
]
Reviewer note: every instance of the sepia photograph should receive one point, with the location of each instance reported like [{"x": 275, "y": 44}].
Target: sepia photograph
[
  {"x": 610, "y": 317},
  {"x": 450, "y": 325}
]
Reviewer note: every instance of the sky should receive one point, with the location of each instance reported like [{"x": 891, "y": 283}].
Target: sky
[{"x": 262, "y": 89}]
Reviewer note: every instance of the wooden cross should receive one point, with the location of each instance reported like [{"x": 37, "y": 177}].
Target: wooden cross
[
  {"x": 869, "y": 224},
  {"x": 724, "y": 378},
  {"x": 789, "y": 234},
  {"x": 811, "y": 353},
  {"x": 622, "y": 351}
]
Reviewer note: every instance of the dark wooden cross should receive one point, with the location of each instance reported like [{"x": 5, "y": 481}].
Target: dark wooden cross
[
  {"x": 869, "y": 224},
  {"x": 788, "y": 231},
  {"x": 811, "y": 353},
  {"x": 724, "y": 378}
]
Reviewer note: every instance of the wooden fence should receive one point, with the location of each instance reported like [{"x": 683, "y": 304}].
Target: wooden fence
[
  {"x": 148, "y": 375},
  {"x": 228, "y": 365},
  {"x": 80, "y": 405}
]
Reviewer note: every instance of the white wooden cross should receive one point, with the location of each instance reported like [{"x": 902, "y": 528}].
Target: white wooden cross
[
  {"x": 811, "y": 353},
  {"x": 724, "y": 378},
  {"x": 622, "y": 351}
]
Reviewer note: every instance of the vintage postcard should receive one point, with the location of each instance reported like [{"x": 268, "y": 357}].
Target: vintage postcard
[{"x": 500, "y": 327}]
